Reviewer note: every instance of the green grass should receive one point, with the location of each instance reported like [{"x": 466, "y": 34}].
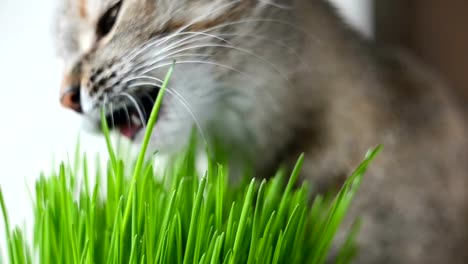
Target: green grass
[{"x": 137, "y": 216}]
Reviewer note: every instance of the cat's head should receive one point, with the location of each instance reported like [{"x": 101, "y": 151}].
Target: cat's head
[{"x": 228, "y": 55}]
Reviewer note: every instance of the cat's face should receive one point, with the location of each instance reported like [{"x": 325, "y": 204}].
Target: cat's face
[{"x": 116, "y": 53}]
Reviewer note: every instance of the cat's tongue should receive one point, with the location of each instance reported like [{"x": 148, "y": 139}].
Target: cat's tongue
[{"x": 129, "y": 131}]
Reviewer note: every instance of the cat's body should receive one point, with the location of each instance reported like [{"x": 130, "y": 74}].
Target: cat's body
[{"x": 273, "y": 81}]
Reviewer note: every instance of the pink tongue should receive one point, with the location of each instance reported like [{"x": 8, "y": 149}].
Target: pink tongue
[{"x": 129, "y": 131}]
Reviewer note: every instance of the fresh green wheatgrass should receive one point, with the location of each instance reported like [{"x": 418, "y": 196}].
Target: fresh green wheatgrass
[{"x": 179, "y": 217}]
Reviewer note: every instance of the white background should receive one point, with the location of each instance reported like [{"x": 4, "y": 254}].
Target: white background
[{"x": 34, "y": 129}]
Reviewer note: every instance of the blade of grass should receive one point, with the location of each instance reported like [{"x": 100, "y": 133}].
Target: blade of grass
[
  {"x": 149, "y": 129},
  {"x": 7, "y": 225}
]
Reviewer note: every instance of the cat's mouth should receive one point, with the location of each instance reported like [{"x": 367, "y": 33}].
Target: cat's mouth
[{"x": 130, "y": 118}]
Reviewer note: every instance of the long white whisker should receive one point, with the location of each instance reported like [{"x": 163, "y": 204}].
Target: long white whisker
[
  {"x": 276, "y": 42},
  {"x": 244, "y": 74},
  {"x": 279, "y": 43},
  {"x": 141, "y": 48},
  {"x": 137, "y": 106},
  {"x": 209, "y": 63},
  {"x": 111, "y": 106},
  {"x": 182, "y": 100},
  {"x": 162, "y": 40},
  {"x": 163, "y": 52},
  {"x": 171, "y": 55},
  {"x": 167, "y": 57},
  {"x": 160, "y": 81},
  {"x": 190, "y": 55},
  {"x": 127, "y": 114},
  {"x": 200, "y": 18},
  {"x": 108, "y": 101},
  {"x": 272, "y": 3},
  {"x": 180, "y": 43},
  {"x": 152, "y": 68},
  {"x": 193, "y": 34},
  {"x": 181, "y": 29},
  {"x": 228, "y": 47},
  {"x": 259, "y": 20},
  {"x": 175, "y": 43}
]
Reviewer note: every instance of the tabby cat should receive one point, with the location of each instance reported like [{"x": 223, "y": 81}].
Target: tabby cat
[{"x": 271, "y": 79}]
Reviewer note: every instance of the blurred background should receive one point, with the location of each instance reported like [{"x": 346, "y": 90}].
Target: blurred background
[
  {"x": 34, "y": 129},
  {"x": 435, "y": 31}
]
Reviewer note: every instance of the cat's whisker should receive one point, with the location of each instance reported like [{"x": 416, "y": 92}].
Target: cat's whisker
[
  {"x": 282, "y": 22},
  {"x": 131, "y": 79},
  {"x": 108, "y": 101},
  {"x": 186, "y": 105},
  {"x": 274, "y": 4},
  {"x": 272, "y": 65},
  {"x": 279, "y": 43},
  {"x": 192, "y": 38},
  {"x": 127, "y": 114},
  {"x": 160, "y": 81},
  {"x": 111, "y": 108},
  {"x": 147, "y": 95},
  {"x": 139, "y": 101},
  {"x": 178, "y": 96},
  {"x": 259, "y": 20},
  {"x": 138, "y": 66},
  {"x": 175, "y": 43},
  {"x": 244, "y": 74},
  {"x": 276, "y": 42},
  {"x": 148, "y": 44},
  {"x": 181, "y": 31},
  {"x": 162, "y": 65},
  {"x": 163, "y": 52},
  {"x": 153, "y": 101},
  {"x": 178, "y": 32},
  {"x": 134, "y": 101},
  {"x": 205, "y": 33},
  {"x": 172, "y": 56},
  {"x": 200, "y": 18},
  {"x": 141, "y": 48}
]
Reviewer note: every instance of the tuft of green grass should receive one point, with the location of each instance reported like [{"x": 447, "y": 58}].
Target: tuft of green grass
[{"x": 180, "y": 216}]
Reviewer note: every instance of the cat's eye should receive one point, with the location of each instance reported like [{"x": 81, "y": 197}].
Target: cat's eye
[{"x": 107, "y": 20}]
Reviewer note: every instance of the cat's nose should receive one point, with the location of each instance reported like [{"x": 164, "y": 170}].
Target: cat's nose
[
  {"x": 70, "y": 91},
  {"x": 70, "y": 98}
]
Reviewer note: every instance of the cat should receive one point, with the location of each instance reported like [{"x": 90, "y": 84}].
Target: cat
[{"x": 270, "y": 80}]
